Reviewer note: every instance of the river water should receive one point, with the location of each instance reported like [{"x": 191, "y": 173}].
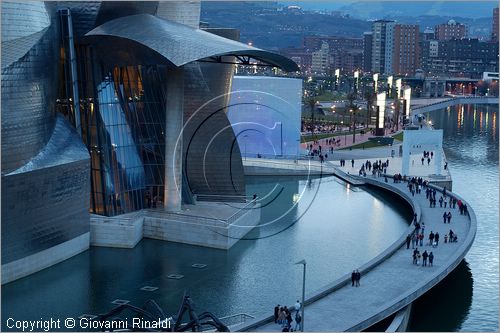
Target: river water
[
  {"x": 334, "y": 228},
  {"x": 468, "y": 299}
]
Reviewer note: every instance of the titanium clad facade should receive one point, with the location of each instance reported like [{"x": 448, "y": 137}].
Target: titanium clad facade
[{"x": 45, "y": 184}]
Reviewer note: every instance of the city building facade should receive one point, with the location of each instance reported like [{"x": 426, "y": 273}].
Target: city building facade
[
  {"x": 450, "y": 30},
  {"x": 367, "y": 51},
  {"x": 494, "y": 26},
  {"x": 382, "y": 42},
  {"x": 406, "y": 49}
]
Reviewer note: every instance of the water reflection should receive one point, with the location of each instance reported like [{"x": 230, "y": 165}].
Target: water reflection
[{"x": 453, "y": 296}]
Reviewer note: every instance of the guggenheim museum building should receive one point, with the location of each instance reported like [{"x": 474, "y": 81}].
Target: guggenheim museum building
[{"x": 108, "y": 109}]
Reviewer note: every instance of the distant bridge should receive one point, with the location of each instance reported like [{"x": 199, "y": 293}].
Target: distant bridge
[{"x": 423, "y": 105}]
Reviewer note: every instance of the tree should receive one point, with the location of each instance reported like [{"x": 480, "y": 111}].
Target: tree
[
  {"x": 370, "y": 100},
  {"x": 312, "y": 106}
]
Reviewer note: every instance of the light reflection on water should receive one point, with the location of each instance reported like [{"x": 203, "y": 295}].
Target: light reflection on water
[{"x": 471, "y": 147}]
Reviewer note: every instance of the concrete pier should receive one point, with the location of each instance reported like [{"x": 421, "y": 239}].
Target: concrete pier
[
  {"x": 172, "y": 198},
  {"x": 390, "y": 281}
]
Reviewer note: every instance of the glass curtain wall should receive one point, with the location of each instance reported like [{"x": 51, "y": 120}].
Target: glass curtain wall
[{"x": 123, "y": 120}]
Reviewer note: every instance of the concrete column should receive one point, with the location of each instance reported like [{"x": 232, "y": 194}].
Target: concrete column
[
  {"x": 172, "y": 196},
  {"x": 438, "y": 158}
]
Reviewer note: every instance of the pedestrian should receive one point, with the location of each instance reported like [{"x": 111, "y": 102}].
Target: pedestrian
[
  {"x": 441, "y": 201},
  {"x": 421, "y": 239},
  {"x": 449, "y": 217},
  {"x": 431, "y": 258},
  {"x": 436, "y": 238},
  {"x": 418, "y": 257},
  {"x": 408, "y": 241},
  {"x": 297, "y": 306},
  {"x": 289, "y": 319},
  {"x": 414, "y": 256},
  {"x": 298, "y": 320},
  {"x": 352, "y": 163},
  {"x": 281, "y": 316},
  {"x": 428, "y": 160},
  {"x": 353, "y": 278},
  {"x": 358, "y": 278},
  {"x": 276, "y": 313},
  {"x": 431, "y": 238},
  {"x": 424, "y": 258},
  {"x": 445, "y": 216},
  {"x": 422, "y": 161}
]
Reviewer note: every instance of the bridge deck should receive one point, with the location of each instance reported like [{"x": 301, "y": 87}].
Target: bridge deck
[{"x": 394, "y": 281}]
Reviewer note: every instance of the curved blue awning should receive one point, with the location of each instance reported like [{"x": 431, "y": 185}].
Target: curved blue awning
[{"x": 181, "y": 44}]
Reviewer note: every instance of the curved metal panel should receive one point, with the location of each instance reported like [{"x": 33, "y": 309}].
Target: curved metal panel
[
  {"x": 28, "y": 97},
  {"x": 14, "y": 49},
  {"x": 179, "y": 43},
  {"x": 21, "y": 19},
  {"x": 46, "y": 202}
]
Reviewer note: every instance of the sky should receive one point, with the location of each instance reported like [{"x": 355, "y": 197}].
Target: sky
[{"x": 470, "y": 9}]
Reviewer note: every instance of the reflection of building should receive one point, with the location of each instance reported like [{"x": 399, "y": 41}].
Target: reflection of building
[
  {"x": 131, "y": 79},
  {"x": 450, "y": 30},
  {"x": 265, "y": 115}
]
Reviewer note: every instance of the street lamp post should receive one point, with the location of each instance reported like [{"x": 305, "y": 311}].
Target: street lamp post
[
  {"x": 244, "y": 137},
  {"x": 302, "y": 262}
]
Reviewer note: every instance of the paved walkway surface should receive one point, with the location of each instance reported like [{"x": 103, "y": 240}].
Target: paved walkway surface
[
  {"x": 393, "y": 279},
  {"x": 345, "y": 140}
]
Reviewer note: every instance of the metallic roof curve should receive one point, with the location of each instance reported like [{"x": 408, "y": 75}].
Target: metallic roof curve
[{"x": 181, "y": 44}]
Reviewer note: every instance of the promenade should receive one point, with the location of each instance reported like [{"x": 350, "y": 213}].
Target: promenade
[{"x": 390, "y": 281}]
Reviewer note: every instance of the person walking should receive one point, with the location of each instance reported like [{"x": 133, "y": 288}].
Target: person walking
[
  {"x": 352, "y": 163},
  {"x": 449, "y": 217},
  {"x": 421, "y": 238},
  {"x": 431, "y": 238},
  {"x": 358, "y": 278},
  {"x": 414, "y": 256},
  {"x": 298, "y": 320},
  {"x": 441, "y": 201},
  {"x": 353, "y": 278},
  {"x": 408, "y": 241},
  {"x": 445, "y": 216},
  {"x": 431, "y": 258},
  {"x": 424, "y": 258},
  {"x": 276, "y": 313},
  {"x": 436, "y": 238}
]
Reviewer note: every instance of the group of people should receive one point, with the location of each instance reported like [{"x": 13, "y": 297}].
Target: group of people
[
  {"x": 283, "y": 317},
  {"x": 342, "y": 163},
  {"x": 447, "y": 217},
  {"x": 355, "y": 278},
  {"x": 416, "y": 257}
]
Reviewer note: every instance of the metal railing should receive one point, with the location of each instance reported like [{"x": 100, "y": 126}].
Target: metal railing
[{"x": 241, "y": 318}]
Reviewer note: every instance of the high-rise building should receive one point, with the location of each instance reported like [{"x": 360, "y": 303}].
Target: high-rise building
[
  {"x": 406, "y": 49},
  {"x": 321, "y": 59},
  {"x": 367, "y": 51},
  {"x": 450, "y": 30},
  {"x": 494, "y": 26},
  {"x": 382, "y": 41}
]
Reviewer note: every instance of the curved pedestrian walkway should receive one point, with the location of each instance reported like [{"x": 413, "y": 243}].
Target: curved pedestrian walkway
[{"x": 390, "y": 281}]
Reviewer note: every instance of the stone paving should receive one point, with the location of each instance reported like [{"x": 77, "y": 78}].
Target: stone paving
[{"x": 393, "y": 279}]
